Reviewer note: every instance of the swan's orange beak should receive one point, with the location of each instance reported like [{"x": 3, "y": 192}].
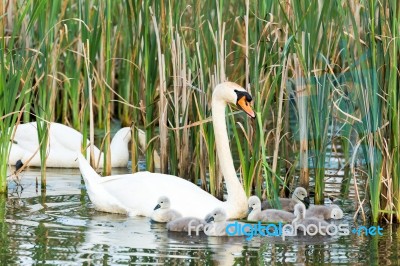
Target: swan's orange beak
[{"x": 245, "y": 106}]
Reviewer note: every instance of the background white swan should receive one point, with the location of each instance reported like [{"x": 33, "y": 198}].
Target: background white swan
[
  {"x": 135, "y": 194},
  {"x": 64, "y": 143}
]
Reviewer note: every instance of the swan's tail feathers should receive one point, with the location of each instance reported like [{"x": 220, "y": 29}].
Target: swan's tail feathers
[{"x": 87, "y": 171}]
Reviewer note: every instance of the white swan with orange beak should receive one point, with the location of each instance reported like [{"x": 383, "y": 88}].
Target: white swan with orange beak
[{"x": 135, "y": 194}]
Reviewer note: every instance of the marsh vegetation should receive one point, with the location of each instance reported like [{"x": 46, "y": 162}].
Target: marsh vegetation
[{"x": 323, "y": 75}]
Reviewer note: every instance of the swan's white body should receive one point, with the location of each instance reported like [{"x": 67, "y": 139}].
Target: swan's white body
[
  {"x": 135, "y": 194},
  {"x": 64, "y": 143}
]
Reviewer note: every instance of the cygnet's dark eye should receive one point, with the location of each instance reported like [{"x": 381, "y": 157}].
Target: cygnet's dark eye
[{"x": 162, "y": 202}]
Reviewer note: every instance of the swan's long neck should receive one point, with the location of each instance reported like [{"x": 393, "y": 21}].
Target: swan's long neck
[
  {"x": 88, "y": 173},
  {"x": 119, "y": 148},
  {"x": 237, "y": 199}
]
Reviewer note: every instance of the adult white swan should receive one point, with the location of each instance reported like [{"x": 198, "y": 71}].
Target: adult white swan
[
  {"x": 135, "y": 194},
  {"x": 64, "y": 143}
]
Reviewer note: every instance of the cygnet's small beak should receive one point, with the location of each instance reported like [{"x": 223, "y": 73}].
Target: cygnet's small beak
[
  {"x": 249, "y": 210},
  {"x": 306, "y": 202},
  {"x": 157, "y": 207},
  {"x": 209, "y": 220}
]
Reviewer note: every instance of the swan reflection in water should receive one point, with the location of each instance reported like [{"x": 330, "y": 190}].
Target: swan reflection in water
[{"x": 144, "y": 238}]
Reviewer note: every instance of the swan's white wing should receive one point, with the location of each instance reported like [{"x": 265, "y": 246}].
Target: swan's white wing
[
  {"x": 139, "y": 192},
  {"x": 65, "y": 143},
  {"x": 26, "y": 137},
  {"x": 65, "y": 138}
]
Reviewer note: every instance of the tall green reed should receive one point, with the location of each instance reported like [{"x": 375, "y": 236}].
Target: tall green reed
[
  {"x": 149, "y": 51},
  {"x": 162, "y": 110},
  {"x": 131, "y": 76},
  {"x": 88, "y": 47},
  {"x": 372, "y": 81},
  {"x": 16, "y": 75},
  {"x": 72, "y": 50},
  {"x": 5, "y": 240},
  {"x": 107, "y": 46},
  {"x": 46, "y": 75},
  {"x": 314, "y": 51},
  {"x": 394, "y": 106}
]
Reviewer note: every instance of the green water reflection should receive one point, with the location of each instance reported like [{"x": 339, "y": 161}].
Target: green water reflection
[{"x": 61, "y": 227}]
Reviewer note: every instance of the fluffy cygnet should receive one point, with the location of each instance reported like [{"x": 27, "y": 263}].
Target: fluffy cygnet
[
  {"x": 301, "y": 222},
  {"x": 183, "y": 224},
  {"x": 325, "y": 212},
  {"x": 299, "y": 195},
  {"x": 163, "y": 213},
  {"x": 270, "y": 215}
]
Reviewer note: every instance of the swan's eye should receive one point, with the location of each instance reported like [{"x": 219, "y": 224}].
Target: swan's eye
[
  {"x": 215, "y": 214},
  {"x": 245, "y": 94},
  {"x": 162, "y": 202}
]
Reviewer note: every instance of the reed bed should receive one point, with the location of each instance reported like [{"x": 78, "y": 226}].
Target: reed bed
[{"x": 321, "y": 73}]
